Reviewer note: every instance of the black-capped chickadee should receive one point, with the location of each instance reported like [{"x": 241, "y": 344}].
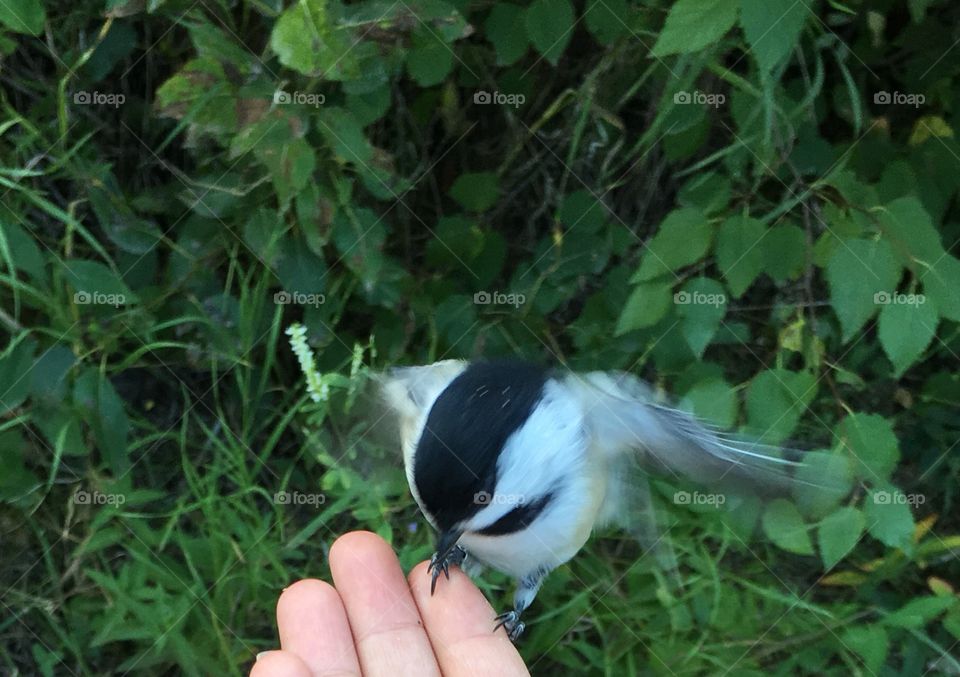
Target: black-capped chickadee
[{"x": 515, "y": 465}]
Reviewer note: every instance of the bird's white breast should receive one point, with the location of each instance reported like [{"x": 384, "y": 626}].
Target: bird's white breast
[{"x": 551, "y": 452}]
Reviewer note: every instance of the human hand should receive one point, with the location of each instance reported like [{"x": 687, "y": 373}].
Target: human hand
[{"x": 377, "y": 623}]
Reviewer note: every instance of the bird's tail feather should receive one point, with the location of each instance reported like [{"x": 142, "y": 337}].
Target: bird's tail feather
[{"x": 625, "y": 417}]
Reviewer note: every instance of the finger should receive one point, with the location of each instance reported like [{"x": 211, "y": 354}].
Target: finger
[
  {"x": 386, "y": 627},
  {"x": 313, "y": 625},
  {"x": 459, "y": 622},
  {"x": 279, "y": 664}
]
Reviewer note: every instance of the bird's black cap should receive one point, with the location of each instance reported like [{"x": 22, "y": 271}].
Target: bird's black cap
[{"x": 455, "y": 462}]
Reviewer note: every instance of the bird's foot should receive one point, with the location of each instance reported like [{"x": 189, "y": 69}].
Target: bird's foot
[
  {"x": 510, "y": 620},
  {"x": 438, "y": 564}
]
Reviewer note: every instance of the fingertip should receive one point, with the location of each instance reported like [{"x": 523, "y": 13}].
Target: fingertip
[
  {"x": 311, "y": 589},
  {"x": 354, "y": 543},
  {"x": 313, "y": 625},
  {"x": 279, "y": 664}
]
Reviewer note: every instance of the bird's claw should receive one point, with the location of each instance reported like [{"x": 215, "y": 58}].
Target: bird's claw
[
  {"x": 438, "y": 564},
  {"x": 510, "y": 620}
]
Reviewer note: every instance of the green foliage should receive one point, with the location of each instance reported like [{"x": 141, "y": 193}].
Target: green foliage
[{"x": 752, "y": 204}]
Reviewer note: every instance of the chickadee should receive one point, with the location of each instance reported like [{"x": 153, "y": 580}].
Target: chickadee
[{"x": 514, "y": 465}]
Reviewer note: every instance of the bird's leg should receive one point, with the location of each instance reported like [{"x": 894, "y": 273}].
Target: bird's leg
[
  {"x": 437, "y": 564},
  {"x": 527, "y": 589}
]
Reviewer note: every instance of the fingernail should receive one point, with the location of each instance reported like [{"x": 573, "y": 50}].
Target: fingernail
[{"x": 262, "y": 653}]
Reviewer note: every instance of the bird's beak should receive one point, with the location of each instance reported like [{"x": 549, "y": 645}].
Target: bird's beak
[{"x": 448, "y": 539}]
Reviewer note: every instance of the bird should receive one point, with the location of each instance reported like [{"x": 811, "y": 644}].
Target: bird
[{"x": 514, "y": 464}]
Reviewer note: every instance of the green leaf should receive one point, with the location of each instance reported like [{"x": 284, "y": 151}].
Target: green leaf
[
  {"x": 96, "y": 284},
  {"x": 605, "y": 19},
  {"x": 857, "y": 272},
  {"x": 301, "y": 272},
  {"x": 906, "y": 329},
  {"x": 823, "y": 482},
  {"x": 837, "y": 535},
  {"x": 581, "y": 210},
  {"x": 710, "y": 191},
  {"x": 918, "y": 612},
  {"x": 291, "y": 166},
  {"x": 784, "y": 526},
  {"x": 739, "y": 254},
  {"x": 15, "y": 480},
  {"x": 429, "y": 60},
  {"x": 23, "y": 16},
  {"x": 871, "y": 441},
  {"x": 345, "y": 136},
  {"x": 199, "y": 91},
  {"x": 908, "y": 226},
  {"x": 15, "y": 380},
  {"x": 550, "y": 26},
  {"x": 124, "y": 227},
  {"x": 772, "y": 28},
  {"x": 18, "y": 249},
  {"x": 784, "y": 250},
  {"x": 476, "y": 192},
  {"x": 305, "y": 39},
  {"x": 695, "y": 24},
  {"x": 48, "y": 379},
  {"x": 504, "y": 28},
  {"x": 776, "y": 399},
  {"x": 701, "y": 303},
  {"x": 107, "y": 418},
  {"x": 646, "y": 306},
  {"x": 713, "y": 400},
  {"x": 871, "y": 642},
  {"x": 941, "y": 284},
  {"x": 889, "y": 519},
  {"x": 683, "y": 238}
]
